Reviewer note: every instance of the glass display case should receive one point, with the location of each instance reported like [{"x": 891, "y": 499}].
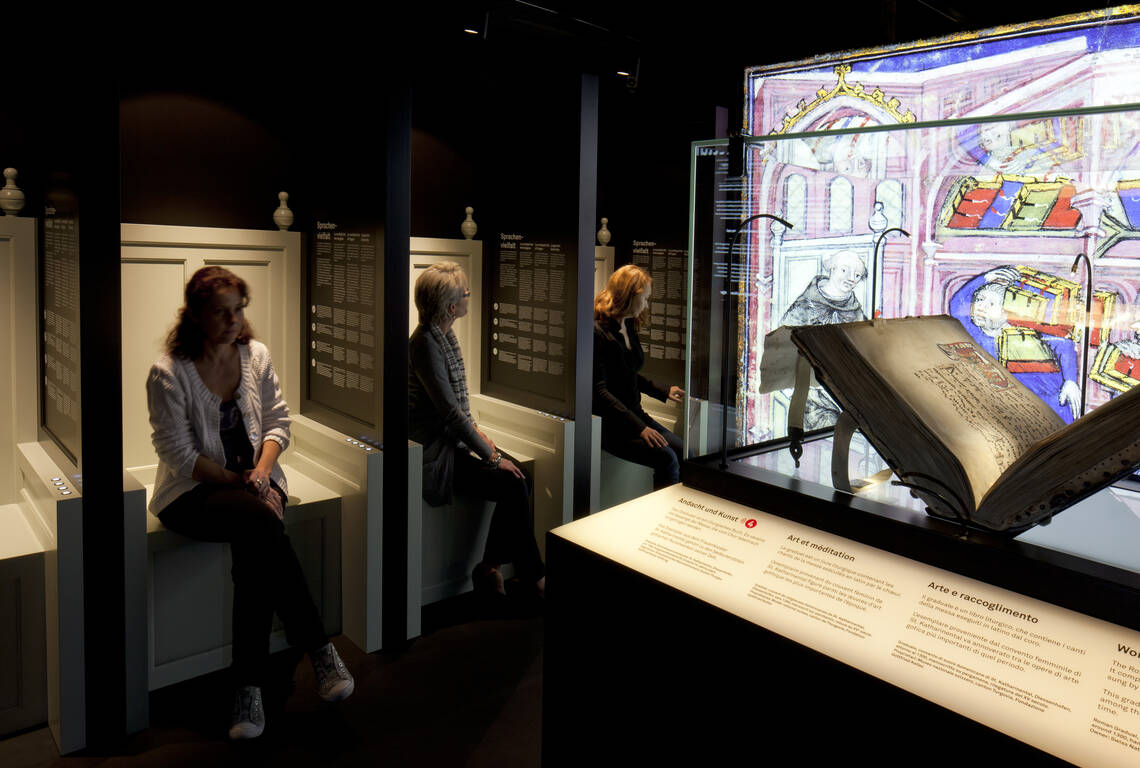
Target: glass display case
[{"x": 1025, "y": 228}]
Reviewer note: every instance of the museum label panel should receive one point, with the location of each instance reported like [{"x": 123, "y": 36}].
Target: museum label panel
[
  {"x": 532, "y": 320},
  {"x": 1053, "y": 678},
  {"x": 664, "y": 341},
  {"x": 60, "y": 301},
  {"x": 343, "y": 331}
]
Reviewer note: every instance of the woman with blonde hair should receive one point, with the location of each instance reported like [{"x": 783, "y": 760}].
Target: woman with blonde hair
[
  {"x": 627, "y": 430},
  {"x": 457, "y": 454}
]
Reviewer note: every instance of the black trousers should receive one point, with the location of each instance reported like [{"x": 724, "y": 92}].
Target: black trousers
[
  {"x": 511, "y": 536},
  {"x": 666, "y": 462},
  {"x": 267, "y": 575}
]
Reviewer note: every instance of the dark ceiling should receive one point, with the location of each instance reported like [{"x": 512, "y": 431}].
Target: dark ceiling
[
  {"x": 729, "y": 34},
  {"x": 703, "y": 45}
]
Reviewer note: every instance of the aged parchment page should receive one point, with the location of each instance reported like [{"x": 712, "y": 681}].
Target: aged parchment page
[{"x": 984, "y": 416}]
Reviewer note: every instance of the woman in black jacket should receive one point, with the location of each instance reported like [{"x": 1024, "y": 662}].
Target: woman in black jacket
[
  {"x": 628, "y": 431},
  {"x": 456, "y": 453}
]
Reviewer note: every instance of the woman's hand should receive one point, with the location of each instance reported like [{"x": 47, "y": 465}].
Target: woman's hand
[
  {"x": 207, "y": 470},
  {"x": 676, "y": 394},
  {"x": 511, "y": 467},
  {"x": 653, "y": 438},
  {"x": 487, "y": 440},
  {"x": 256, "y": 481},
  {"x": 273, "y": 500}
]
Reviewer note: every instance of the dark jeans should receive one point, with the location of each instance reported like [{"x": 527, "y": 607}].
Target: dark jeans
[
  {"x": 511, "y": 537},
  {"x": 666, "y": 462},
  {"x": 267, "y": 575}
]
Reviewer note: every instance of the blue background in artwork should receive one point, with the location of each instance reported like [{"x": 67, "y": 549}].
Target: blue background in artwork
[{"x": 1103, "y": 37}]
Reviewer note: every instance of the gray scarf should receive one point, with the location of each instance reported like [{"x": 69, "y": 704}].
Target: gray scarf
[{"x": 456, "y": 373}]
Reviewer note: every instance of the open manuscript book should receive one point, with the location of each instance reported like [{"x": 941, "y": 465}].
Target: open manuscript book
[{"x": 971, "y": 441}]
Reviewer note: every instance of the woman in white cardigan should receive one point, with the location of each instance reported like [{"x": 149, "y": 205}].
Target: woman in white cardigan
[{"x": 219, "y": 424}]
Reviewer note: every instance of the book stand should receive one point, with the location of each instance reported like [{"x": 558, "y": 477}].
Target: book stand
[
  {"x": 841, "y": 441},
  {"x": 840, "y": 455}
]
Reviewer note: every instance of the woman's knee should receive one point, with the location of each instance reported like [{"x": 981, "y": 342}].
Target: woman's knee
[
  {"x": 664, "y": 458},
  {"x": 666, "y": 466},
  {"x": 503, "y": 482},
  {"x": 255, "y": 521},
  {"x": 518, "y": 488}
]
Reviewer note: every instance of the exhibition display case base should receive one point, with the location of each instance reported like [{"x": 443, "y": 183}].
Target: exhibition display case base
[{"x": 683, "y": 625}]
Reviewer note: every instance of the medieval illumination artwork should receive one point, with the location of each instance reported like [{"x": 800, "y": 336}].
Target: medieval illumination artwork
[{"x": 962, "y": 176}]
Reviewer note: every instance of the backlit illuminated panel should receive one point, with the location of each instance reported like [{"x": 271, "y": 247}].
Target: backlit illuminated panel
[
  {"x": 1032, "y": 206},
  {"x": 1063, "y": 215},
  {"x": 1018, "y": 206},
  {"x": 979, "y": 200},
  {"x": 1129, "y": 192},
  {"x": 1001, "y": 204},
  {"x": 1117, "y": 367},
  {"x": 1060, "y": 305},
  {"x": 973, "y": 203}
]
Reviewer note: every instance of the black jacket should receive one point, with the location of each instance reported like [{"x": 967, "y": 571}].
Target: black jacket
[
  {"x": 435, "y": 419},
  {"x": 617, "y": 383}
]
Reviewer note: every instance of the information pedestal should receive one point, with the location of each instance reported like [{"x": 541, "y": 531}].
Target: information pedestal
[{"x": 685, "y": 623}]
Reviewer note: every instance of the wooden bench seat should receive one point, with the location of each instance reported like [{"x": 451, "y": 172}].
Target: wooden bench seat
[
  {"x": 23, "y": 681},
  {"x": 190, "y": 592},
  {"x": 446, "y": 543},
  {"x": 622, "y": 480}
]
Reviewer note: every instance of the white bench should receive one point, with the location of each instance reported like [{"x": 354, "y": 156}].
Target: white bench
[
  {"x": 622, "y": 480},
  {"x": 45, "y": 526},
  {"x": 23, "y": 681},
  {"x": 615, "y": 480},
  {"x": 445, "y": 543},
  {"x": 190, "y": 592},
  {"x": 452, "y": 538}
]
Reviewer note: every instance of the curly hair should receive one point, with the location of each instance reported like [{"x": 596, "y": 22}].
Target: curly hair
[
  {"x": 185, "y": 338},
  {"x": 613, "y": 302}
]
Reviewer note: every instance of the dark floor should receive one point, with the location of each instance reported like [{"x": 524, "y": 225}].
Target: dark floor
[{"x": 466, "y": 693}]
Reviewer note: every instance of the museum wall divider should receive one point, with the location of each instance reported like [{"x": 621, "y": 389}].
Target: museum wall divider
[
  {"x": 373, "y": 552},
  {"x": 42, "y": 524}
]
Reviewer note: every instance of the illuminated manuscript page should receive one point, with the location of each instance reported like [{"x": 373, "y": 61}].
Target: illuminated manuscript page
[{"x": 983, "y": 415}]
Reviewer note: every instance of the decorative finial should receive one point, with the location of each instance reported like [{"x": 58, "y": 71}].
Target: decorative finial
[
  {"x": 604, "y": 234},
  {"x": 283, "y": 217},
  {"x": 878, "y": 220},
  {"x": 469, "y": 227},
  {"x": 11, "y": 197}
]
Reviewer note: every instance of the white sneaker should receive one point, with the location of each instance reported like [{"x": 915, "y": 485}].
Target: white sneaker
[
  {"x": 248, "y": 719},
  {"x": 334, "y": 683}
]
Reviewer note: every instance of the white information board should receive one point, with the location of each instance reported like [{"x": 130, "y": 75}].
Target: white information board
[{"x": 1059, "y": 680}]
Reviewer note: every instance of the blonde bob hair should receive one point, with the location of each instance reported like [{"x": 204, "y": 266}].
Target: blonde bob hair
[
  {"x": 613, "y": 302},
  {"x": 437, "y": 288}
]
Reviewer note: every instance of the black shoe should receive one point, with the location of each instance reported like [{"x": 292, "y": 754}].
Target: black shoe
[
  {"x": 487, "y": 579},
  {"x": 248, "y": 721},
  {"x": 334, "y": 683}
]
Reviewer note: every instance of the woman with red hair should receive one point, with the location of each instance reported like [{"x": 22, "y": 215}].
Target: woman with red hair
[
  {"x": 627, "y": 430},
  {"x": 220, "y": 424}
]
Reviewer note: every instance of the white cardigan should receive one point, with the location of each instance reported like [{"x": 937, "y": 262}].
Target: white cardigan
[{"x": 186, "y": 418}]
